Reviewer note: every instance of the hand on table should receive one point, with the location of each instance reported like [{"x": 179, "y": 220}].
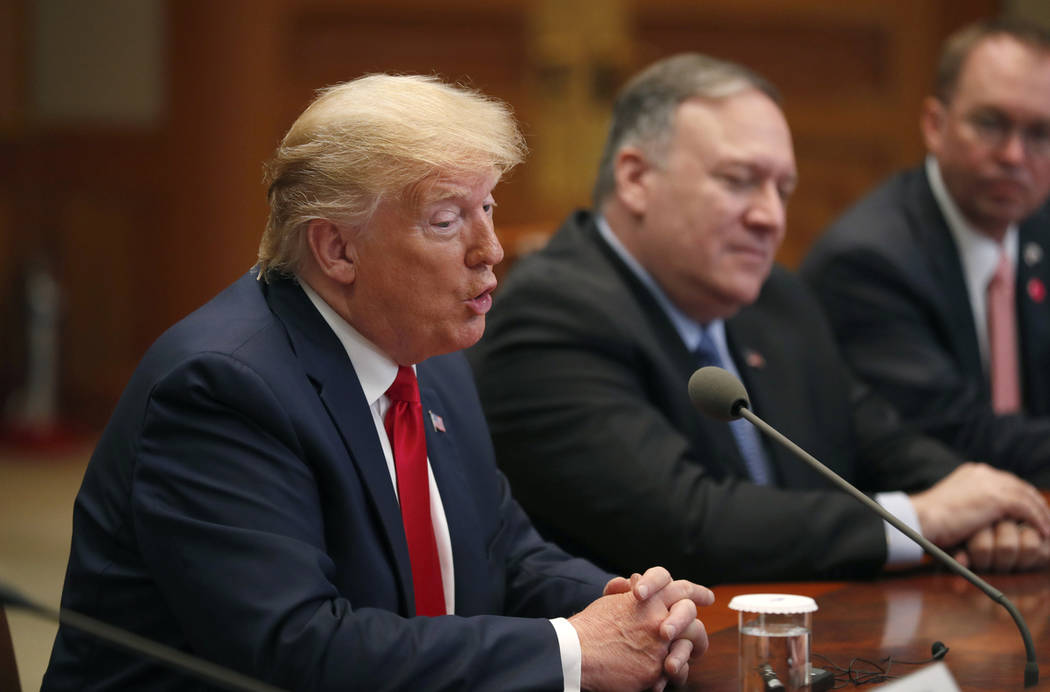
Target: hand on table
[
  {"x": 643, "y": 633},
  {"x": 975, "y": 497}
]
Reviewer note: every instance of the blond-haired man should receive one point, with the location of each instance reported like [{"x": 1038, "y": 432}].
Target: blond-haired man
[{"x": 276, "y": 493}]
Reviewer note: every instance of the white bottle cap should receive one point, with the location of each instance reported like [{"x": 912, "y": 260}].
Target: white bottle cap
[{"x": 776, "y": 603}]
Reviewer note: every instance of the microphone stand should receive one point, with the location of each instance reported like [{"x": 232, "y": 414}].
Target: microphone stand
[{"x": 1031, "y": 669}]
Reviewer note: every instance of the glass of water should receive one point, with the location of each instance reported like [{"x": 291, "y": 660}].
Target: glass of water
[{"x": 774, "y": 641}]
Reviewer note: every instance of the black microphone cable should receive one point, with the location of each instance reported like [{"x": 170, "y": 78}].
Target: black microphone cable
[{"x": 165, "y": 655}]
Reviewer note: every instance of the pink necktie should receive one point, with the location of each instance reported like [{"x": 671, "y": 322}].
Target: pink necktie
[
  {"x": 1002, "y": 339},
  {"x": 404, "y": 427}
]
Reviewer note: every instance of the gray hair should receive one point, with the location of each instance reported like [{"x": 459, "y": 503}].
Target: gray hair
[{"x": 643, "y": 114}]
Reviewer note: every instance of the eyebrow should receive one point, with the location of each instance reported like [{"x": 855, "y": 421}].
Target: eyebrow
[{"x": 445, "y": 191}]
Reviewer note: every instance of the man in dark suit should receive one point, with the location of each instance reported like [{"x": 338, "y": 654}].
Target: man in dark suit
[
  {"x": 275, "y": 493},
  {"x": 909, "y": 275},
  {"x": 583, "y": 369}
]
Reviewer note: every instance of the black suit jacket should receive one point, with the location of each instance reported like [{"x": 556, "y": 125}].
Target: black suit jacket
[
  {"x": 583, "y": 379},
  {"x": 238, "y": 506},
  {"x": 889, "y": 275}
]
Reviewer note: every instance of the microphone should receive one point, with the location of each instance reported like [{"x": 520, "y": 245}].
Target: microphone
[
  {"x": 719, "y": 394},
  {"x": 165, "y": 655}
]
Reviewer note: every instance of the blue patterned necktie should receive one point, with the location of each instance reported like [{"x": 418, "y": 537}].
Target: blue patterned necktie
[{"x": 747, "y": 441}]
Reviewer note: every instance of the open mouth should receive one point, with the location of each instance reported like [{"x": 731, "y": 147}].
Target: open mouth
[{"x": 482, "y": 302}]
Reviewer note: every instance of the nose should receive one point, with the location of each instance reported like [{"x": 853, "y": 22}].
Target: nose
[
  {"x": 766, "y": 210},
  {"x": 1012, "y": 149},
  {"x": 484, "y": 248}
]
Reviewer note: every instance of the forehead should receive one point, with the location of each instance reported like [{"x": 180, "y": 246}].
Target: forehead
[
  {"x": 747, "y": 126},
  {"x": 465, "y": 185},
  {"x": 1005, "y": 73}
]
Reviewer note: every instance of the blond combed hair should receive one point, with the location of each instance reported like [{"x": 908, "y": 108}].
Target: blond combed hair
[{"x": 376, "y": 136}]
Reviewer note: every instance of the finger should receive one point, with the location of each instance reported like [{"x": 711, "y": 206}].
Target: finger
[
  {"x": 681, "y": 615},
  {"x": 616, "y": 585},
  {"x": 1030, "y": 548},
  {"x": 697, "y": 634},
  {"x": 1027, "y": 504},
  {"x": 653, "y": 581},
  {"x": 1044, "y": 555},
  {"x": 1007, "y": 545},
  {"x": 684, "y": 589},
  {"x": 660, "y": 685},
  {"x": 963, "y": 558},
  {"x": 676, "y": 665},
  {"x": 980, "y": 548}
]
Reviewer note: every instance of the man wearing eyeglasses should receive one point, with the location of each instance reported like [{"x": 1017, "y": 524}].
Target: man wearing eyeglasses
[{"x": 936, "y": 283}]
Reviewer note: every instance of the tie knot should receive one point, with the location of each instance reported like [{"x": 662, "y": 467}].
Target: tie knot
[
  {"x": 706, "y": 352},
  {"x": 1004, "y": 271},
  {"x": 405, "y": 386}
]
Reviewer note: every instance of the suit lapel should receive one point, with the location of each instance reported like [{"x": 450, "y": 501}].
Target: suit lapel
[
  {"x": 326, "y": 364},
  {"x": 443, "y": 430},
  {"x": 1033, "y": 311},
  {"x": 762, "y": 371},
  {"x": 711, "y": 441},
  {"x": 942, "y": 270}
]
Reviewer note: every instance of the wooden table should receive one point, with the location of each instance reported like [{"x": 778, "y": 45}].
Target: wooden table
[{"x": 901, "y": 616}]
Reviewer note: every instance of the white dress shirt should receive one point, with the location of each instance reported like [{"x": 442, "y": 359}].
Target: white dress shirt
[
  {"x": 978, "y": 253},
  {"x": 376, "y": 372}
]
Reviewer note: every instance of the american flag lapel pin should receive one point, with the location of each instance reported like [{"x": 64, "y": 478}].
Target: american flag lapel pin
[
  {"x": 437, "y": 421},
  {"x": 1033, "y": 255},
  {"x": 754, "y": 359}
]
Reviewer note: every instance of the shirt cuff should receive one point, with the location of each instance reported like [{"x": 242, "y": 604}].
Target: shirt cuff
[
  {"x": 571, "y": 654},
  {"x": 900, "y": 550}
]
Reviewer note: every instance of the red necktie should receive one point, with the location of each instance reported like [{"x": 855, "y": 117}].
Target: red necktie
[
  {"x": 404, "y": 427},
  {"x": 1002, "y": 339}
]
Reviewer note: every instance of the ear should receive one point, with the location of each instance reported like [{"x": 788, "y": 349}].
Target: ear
[
  {"x": 332, "y": 250},
  {"x": 631, "y": 169},
  {"x": 932, "y": 121}
]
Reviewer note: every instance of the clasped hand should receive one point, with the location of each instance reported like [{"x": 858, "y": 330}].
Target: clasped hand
[{"x": 642, "y": 633}]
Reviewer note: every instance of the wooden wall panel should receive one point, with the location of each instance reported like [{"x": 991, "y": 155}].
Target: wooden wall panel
[
  {"x": 146, "y": 225},
  {"x": 11, "y": 74},
  {"x": 480, "y": 45},
  {"x": 852, "y": 76}
]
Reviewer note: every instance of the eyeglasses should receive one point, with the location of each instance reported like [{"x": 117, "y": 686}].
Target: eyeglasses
[{"x": 994, "y": 129}]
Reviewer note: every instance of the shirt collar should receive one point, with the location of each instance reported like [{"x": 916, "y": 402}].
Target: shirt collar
[
  {"x": 979, "y": 253},
  {"x": 688, "y": 329},
  {"x": 375, "y": 370}
]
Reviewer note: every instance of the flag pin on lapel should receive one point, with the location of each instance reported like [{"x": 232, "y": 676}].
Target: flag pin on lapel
[
  {"x": 437, "y": 421},
  {"x": 754, "y": 359},
  {"x": 1033, "y": 253},
  {"x": 1036, "y": 290}
]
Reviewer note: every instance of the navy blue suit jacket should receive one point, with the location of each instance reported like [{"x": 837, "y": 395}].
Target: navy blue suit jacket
[{"x": 238, "y": 506}]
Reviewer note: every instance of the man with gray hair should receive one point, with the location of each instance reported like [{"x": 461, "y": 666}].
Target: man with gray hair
[
  {"x": 583, "y": 369},
  {"x": 299, "y": 471}
]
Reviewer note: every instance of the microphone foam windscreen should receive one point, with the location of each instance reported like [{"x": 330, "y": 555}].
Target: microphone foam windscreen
[{"x": 717, "y": 393}]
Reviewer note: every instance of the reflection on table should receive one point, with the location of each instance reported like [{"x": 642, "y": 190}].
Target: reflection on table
[{"x": 901, "y": 616}]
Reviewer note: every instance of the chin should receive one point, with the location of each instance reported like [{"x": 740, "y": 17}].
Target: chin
[{"x": 459, "y": 340}]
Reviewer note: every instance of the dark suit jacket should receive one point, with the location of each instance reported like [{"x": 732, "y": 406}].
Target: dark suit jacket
[
  {"x": 238, "y": 506},
  {"x": 890, "y": 278},
  {"x": 583, "y": 379}
]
